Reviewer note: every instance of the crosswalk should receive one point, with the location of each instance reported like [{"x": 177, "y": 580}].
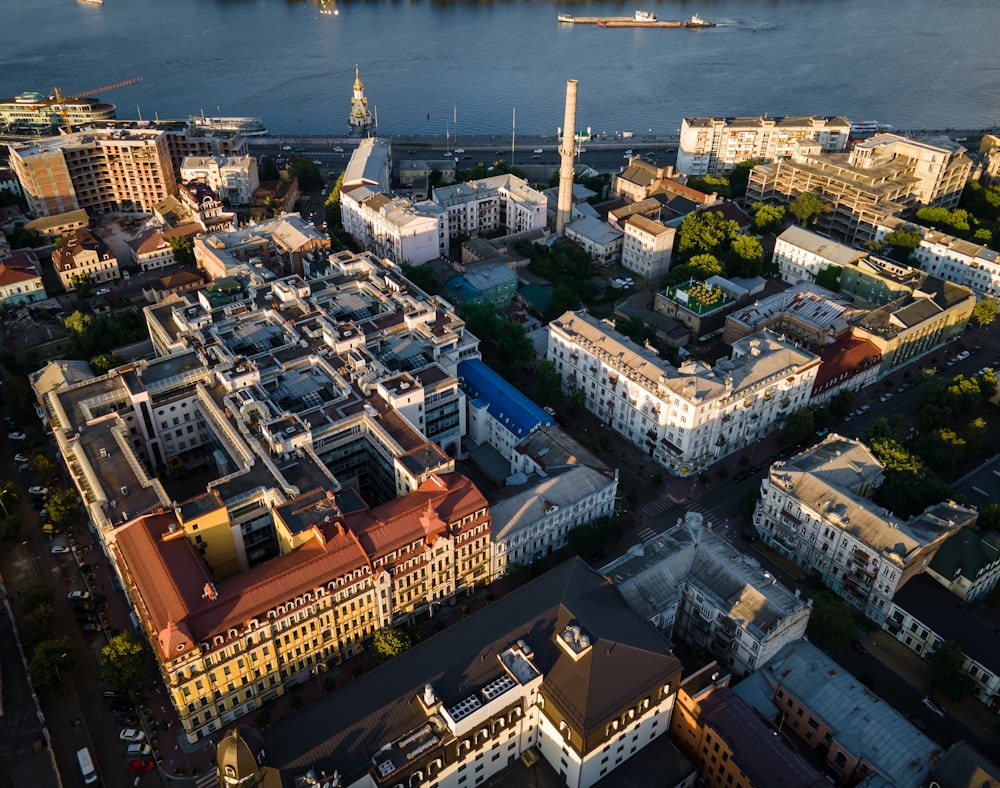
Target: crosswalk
[
  {"x": 647, "y": 534},
  {"x": 208, "y": 780},
  {"x": 653, "y": 509}
]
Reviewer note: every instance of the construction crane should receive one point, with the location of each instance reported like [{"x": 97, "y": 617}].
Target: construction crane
[{"x": 57, "y": 99}]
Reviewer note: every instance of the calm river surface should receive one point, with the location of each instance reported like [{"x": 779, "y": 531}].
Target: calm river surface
[{"x": 425, "y": 65}]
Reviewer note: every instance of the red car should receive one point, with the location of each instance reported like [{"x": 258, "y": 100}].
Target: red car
[{"x": 141, "y": 765}]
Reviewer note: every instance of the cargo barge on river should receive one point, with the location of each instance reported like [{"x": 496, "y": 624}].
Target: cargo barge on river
[{"x": 639, "y": 19}]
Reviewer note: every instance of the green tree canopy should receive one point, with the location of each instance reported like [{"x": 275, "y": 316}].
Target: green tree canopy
[
  {"x": 705, "y": 232},
  {"x": 740, "y": 176},
  {"x": 306, "y": 172},
  {"x": 10, "y": 495},
  {"x": 50, "y": 665},
  {"x": 748, "y": 256},
  {"x": 767, "y": 218},
  {"x": 183, "y": 248},
  {"x": 19, "y": 397},
  {"x": 64, "y": 511},
  {"x": 36, "y": 595},
  {"x": 831, "y": 622},
  {"x": 41, "y": 466},
  {"x": 800, "y": 424},
  {"x": 36, "y": 625},
  {"x": 389, "y": 643},
  {"x": 121, "y": 662},
  {"x": 808, "y": 207},
  {"x": 902, "y": 242},
  {"x": 82, "y": 284},
  {"x": 103, "y": 362},
  {"x": 422, "y": 276},
  {"x": 985, "y": 311},
  {"x": 711, "y": 184},
  {"x": 829, "y": 278},
  {"x": 946, "y": 670},
  {"x": 331, "y": 208}
]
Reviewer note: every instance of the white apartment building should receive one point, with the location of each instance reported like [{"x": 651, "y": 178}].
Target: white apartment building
[
  {"x": 392, "y": 227},
  {"x": 597, "y": 238},
  {"x": 684, "y": 417},
  {"x": 233, "y": 178},
  {"x": 963, "y": 262},
  {"x": 647, "y": 246},
  {"x": 801, "y": 254},
  {"x": 816, "y": 510},
  {"x": 536, "y": 521},
  {"x": 694, "y": 586},
  {"x": 478, "y": 207},
  {"x": 714, "y": 146}
]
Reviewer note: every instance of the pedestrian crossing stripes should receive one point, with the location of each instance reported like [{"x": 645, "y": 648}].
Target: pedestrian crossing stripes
[
  {"x": 656, "y": 507},
  {"x": 209, "y": 779},
  {"x": 647, "y": 534}
]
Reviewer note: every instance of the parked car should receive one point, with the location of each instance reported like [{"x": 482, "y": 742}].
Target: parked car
[
  {"x": 49, "y": 529},
  {"x": 138, "y": 751},
  {"x": 338, "y": 149},
  {"x": 110, "y": 693},
  {"x": 103, "y": 291},
  {"x": 933, "y": 705},
  {"x": 83, "y": 607},
  {"x": 131, "y": 734},
  {"x": 536, "y": 150},
  {"x": 19, "y": 457},
  {"x": 60, "y": 549},
  {"x": 858, "y": 646},
  {"x": 16, "y": 436},
  {"x": 126, "y": 720},
  {"x": 38, "y": 490},
  {"x": 141, "y": 766},
  {"x": 78, "y": 595},
  {"x": 93, "y": 629},
  {"x": 963, "y": 355}
]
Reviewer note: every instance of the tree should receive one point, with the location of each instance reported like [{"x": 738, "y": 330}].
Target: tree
[
  {"x": 831, "y": 622},
  {"x": 82, "y": 284},
  {"x": 10, "y": 495},
  {"x": 42, "y": 467},
  {"x": 78, "y": 322},
  {"x": 35, "y": 595},
  {"x": 389, "y": 643},
  {"x": 767, "y": 218},
  {"x": 985, "y": 312},
  {"x": 268, "y": 170},
  {"x": 50, "y": 665},
  {"x": 800, "y": 424},
  {"x": 307, "y": 173},
  {"x": 989, "y": 516},
  {"x": 549, "y": 382},
  {"x": 705, "y": 232},
  {"x": 576, "y": 403},
  {"x": 103, "y": 362},
  {"x": 19, "y": 397},
  {"x": 747, "y": 503},
  {"x": 711, "y": 184},
  {"x": 808, "y": 207},
  {"x": 748, "y": 256},
  {"x": 63, "y": 509},
  {"x": 183, "y": 248},
  {"x": 829, "y": 278},
  {"x": 740, "y": 176},
  {"x": 36, "y": 625},
  {"x": 121, "y": 662},
  {"x": 331, "y": 208},
  {"x": 946, "y": 670},
  {"x": 422, "y": 276},
  {"x": 902, "y": 242}
]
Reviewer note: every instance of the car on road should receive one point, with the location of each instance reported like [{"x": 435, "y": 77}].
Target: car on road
[
  {"x": 286, "y": 147},
  {"x": 49, "y": 528},
  {"x": 459, "y": 150},
  {"x": 110, "y": 693},
  {"x": 933, "y": 705},
  {"x": 962, "y": 356},
  {"x": 36, "y": 490},
  {"x": 60, "y": 549},
  {"x": 78, "y": 595},
  {"x": 93, "y": 629},
  {"x": 338, "y": 149},
  {"x": 858, "y": 646},
  {"x": 138, "y": 751},
  {"x": 103, "y": 291},
  {"x": 317, "y": 162},
  {"x": 536, "y": 150},
  {"x": 131, "y": 734},
  {"x": 19, "y": 457},
  {"x": 886, "y": 397},
  {"x": 300, "y": 150},
  {"x": 141, "y": 766},
  {"x": 126, "y": 720},
  {"x": 16, "y": 436}
]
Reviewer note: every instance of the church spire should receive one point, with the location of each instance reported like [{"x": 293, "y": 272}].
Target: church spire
[{"x": 360, "y": 120}]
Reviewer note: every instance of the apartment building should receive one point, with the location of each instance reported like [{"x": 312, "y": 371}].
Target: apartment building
[
  {"x": 103, "y": 170},
  {"x": 801, "y": 254},
  {"x": 234, "y": 178},
  {"x": 393, "y": 227},
  {"x": 686, "y": 417},
  {"x": 730, "y": 742},
  {"x": 597, "y": 238},
  {"x": 956, "y": 260},
  {"x": 478, "y": 207},
  {"x": 152, "y": 251},
  {"x": 696, "y": 588},
  {"x": 880, "y": 178},
  {"x": 278, "y": 483},
  {"x": 968, "y": 564},
  {"x": 559, "y": 667},
  {"x": 857, "y": 734},
  {"x": 924, "y": 615},
  {"x": 205, "y": 206},
  {"x": 816, "y": 510},
  {"x": 647, "y": 246},
  {"x": 82, "y": 254},
  {"x": 280, "y": 245},
  {"x": 536, "y": 521},
  {"x": 714, "y": 146},
  {"x": 810, "y": 315},
  {"x": 20, "y": 280},
  {"x": 370, "y": 165},
  {"x": 639, "y": 179}
]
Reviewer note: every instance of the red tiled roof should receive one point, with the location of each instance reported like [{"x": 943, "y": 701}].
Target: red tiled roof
[
  {"x": 13, "y": 276},
  {"x": 846, "y": 355}
]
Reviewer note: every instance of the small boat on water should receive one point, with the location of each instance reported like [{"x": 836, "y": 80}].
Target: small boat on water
[
  {"x": 638, "y": 19},
  {"x": 644, "y": 16},
  {"x": 93, "y": 2}
]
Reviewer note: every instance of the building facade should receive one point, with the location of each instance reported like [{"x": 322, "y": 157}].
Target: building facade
[
  {"x": 234, "y": 178},
  {"x": 647, "y": 246},
  {"x": 84, "y": 255},
  {"x": 816, "y": 510},
  {"x": 684, "y": 418},
  {"x": 478, "y": 207},
  {"x": 392, "y": 227},
  {"x": 801, "y": 254},
  {"x": 714, "y": 146}
]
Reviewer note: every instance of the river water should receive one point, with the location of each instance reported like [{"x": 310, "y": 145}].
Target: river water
[{"x": 479, "y": 67}]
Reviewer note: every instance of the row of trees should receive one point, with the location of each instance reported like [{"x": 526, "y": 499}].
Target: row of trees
[{"x": 92, "y": 337}]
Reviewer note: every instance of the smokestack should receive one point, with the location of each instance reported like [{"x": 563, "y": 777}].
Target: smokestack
[{"x": 567, "y": 154}]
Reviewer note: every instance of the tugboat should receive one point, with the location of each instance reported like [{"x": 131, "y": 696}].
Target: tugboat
[{"x": 644, "y": 16}]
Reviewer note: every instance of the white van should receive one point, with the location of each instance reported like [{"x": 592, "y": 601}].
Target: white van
[{"x": 86, "y": 765}]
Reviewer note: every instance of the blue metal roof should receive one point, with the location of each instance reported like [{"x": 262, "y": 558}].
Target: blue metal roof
[{"x": 507, "y": 405}]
